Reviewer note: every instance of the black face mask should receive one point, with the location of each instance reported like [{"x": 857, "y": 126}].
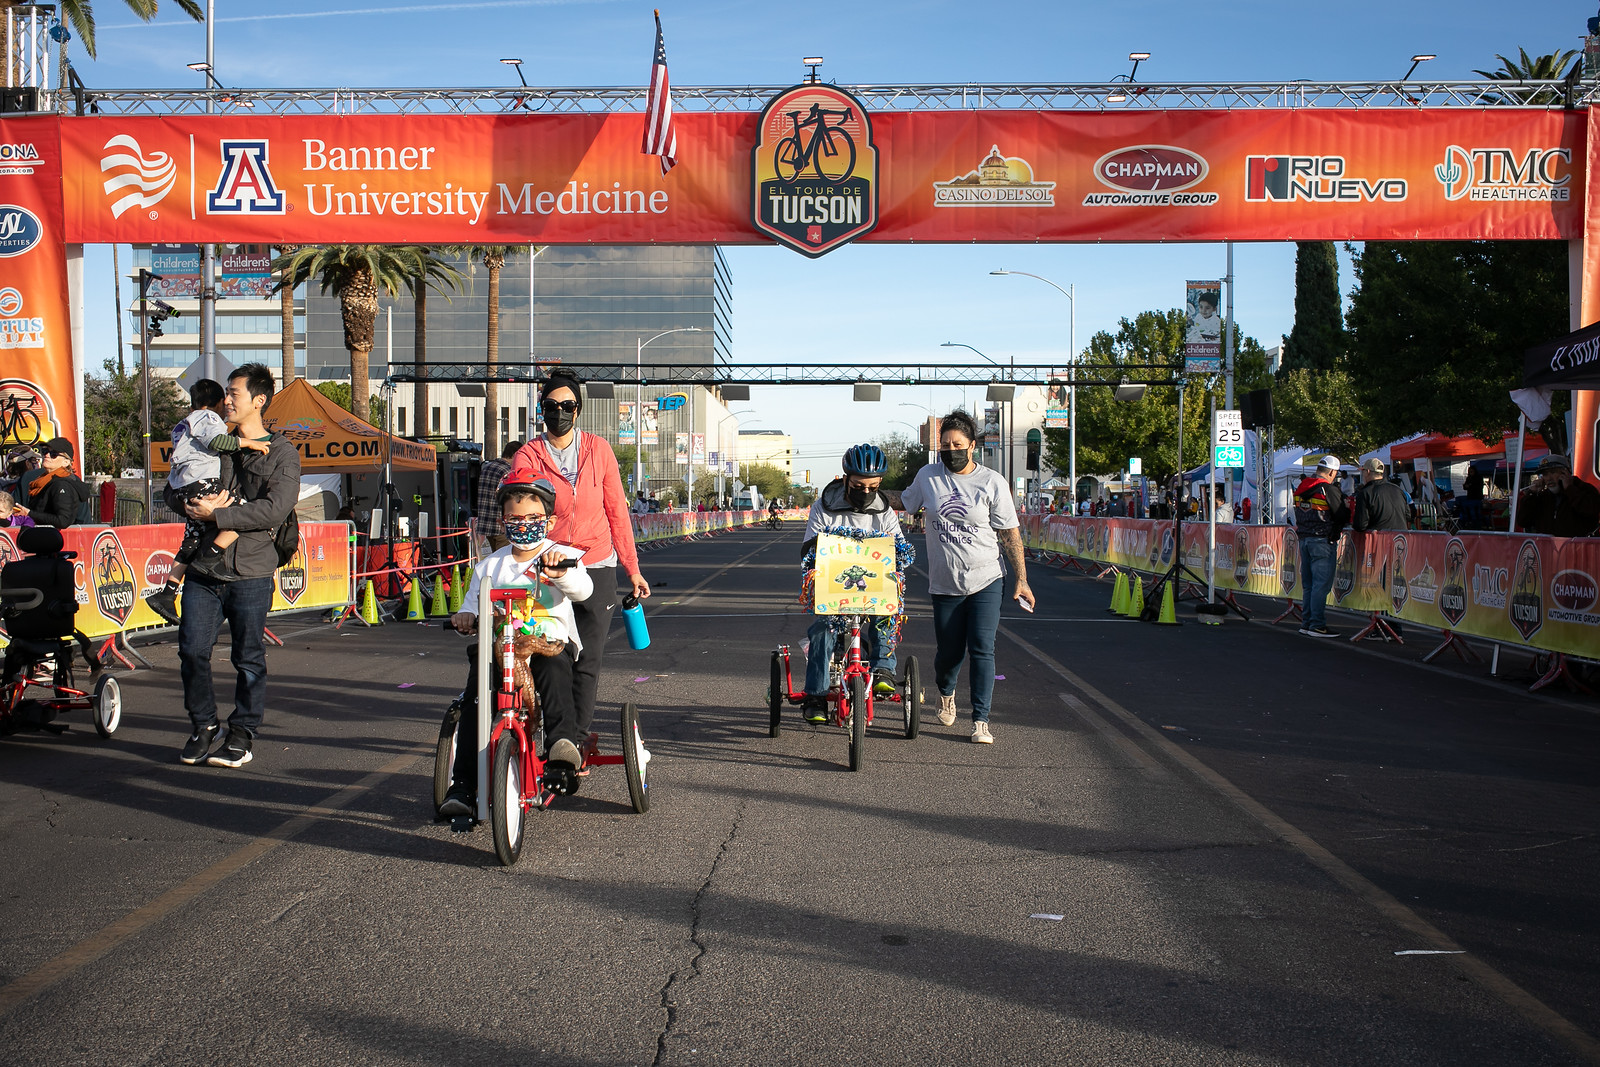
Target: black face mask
[
  {"x": 860, "y": 499},
  {"x": 955, "y": 459},
  {"x": 558, "y": 422}
]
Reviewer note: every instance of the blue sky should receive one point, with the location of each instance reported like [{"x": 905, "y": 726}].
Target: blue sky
[{"x": 911, "y": 299}]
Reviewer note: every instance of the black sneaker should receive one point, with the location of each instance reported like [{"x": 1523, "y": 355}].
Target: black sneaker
[
  {"x": 1319, "y": 631},
  {"x": 815, "y": 708},
  {"x": 457, "y": 802},
  {"x": 235, "y": 751},
  {"x": 164, "y": 602},
  {"x": 199, "y": 744}
]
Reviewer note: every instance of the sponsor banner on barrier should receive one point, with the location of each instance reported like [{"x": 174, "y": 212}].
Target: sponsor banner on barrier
[
  {"x": 117, "y": 565},
  {"x": 1543, "y": 592}
]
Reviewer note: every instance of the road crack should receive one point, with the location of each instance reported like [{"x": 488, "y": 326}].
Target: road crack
[{"x": 684, "y": 975}]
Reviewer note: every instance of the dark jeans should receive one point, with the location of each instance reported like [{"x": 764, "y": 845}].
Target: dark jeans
[
  {"x": 594, "y": 622},
  {"x": 1317, "y": 557},
  {"x": 552, "y": 680},
  {"x": 244, "y": 604},
  {"x": 964, "y": 626},
  {"x": 820, "y": 640}
]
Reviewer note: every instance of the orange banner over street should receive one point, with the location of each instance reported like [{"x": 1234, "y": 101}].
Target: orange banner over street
[{"x": 987, "y": 176}]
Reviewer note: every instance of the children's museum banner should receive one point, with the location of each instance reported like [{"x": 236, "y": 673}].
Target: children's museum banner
[
  {"x": 1543, "y": 592},
  {"x": 810, "y": 177},
  {"x": 116, "y": 567}
]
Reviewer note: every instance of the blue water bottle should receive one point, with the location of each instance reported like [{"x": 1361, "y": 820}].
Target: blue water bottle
[{"x": 633, "y": 620}]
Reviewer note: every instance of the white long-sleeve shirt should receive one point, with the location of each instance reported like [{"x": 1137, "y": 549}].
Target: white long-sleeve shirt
[{"x": 550, "y": 604}]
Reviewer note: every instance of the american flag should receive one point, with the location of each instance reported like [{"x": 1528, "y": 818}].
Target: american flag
[{"x": 659, "y": 138}]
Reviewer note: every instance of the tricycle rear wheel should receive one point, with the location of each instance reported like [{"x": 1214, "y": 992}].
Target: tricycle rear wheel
[{"x": 635, "y": 760}]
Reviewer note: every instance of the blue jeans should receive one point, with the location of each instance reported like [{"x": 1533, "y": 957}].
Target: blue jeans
[
  {"x": 820, "y": 643},
  {"x": 244, "y": 604},
  {"x": 1316, "y": 577},
  {"x": 964, "y": 627}
]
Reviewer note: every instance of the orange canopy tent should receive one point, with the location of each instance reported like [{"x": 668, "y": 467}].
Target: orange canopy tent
[
  {"x": 1461, "y": 446},
  {"x": 330, "y": 439}
]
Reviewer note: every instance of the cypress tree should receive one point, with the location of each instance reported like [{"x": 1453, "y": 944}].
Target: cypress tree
[{"x": 1317, "y": 340}]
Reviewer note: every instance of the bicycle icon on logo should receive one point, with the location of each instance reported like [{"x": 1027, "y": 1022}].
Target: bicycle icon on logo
[{"x": 823, "y": 152}]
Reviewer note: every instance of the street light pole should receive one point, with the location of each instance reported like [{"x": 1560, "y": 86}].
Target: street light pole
[
  {"x": 638, "y": 411},
  {"x": 1005, "y": 459},
  {"x": 1070, "y": 292}
]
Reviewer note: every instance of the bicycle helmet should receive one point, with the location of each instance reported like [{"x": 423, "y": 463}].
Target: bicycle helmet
[
  {"x": 523, "y": 483},
  {"x": 867, "y": 461}
]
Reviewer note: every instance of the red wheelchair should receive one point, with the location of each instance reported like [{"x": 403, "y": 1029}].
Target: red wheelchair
[{"x": 518, "y": 779}]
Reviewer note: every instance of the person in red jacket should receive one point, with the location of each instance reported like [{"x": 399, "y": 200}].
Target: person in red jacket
[{"x": 591, "y": 514}]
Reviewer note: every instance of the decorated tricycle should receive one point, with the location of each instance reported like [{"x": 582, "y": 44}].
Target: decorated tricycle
[
  {"x": 855, "y": 585},
  {"x": 519, "y": 779}
]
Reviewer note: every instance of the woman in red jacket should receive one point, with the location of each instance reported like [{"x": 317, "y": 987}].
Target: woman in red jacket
[{"x": 591, "y": 514}]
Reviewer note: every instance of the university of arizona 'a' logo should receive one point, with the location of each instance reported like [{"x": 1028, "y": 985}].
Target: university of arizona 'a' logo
[{"x": 245, "y": 186}]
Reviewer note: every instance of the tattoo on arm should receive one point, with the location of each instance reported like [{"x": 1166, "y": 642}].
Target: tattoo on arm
[{"x": 1011, "y": 548}]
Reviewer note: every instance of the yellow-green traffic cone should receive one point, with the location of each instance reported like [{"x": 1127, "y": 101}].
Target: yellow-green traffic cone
[
  {"x": 369, "y": 605},
  {"x": 1119, "y": 595},
  {"x": 414, "y": 611},
  {"x": 440, "y": 607},
  {"x": 1136, "y": 597},
  {"x": 458, "y": 588},
  {"x": 1169, "y": 610}
]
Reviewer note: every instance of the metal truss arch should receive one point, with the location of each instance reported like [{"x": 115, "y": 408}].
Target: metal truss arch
[{"x": 938, "y": 96}]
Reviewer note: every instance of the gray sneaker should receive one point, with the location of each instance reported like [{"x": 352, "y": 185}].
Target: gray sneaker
[
  {"x": 947, "y": 709},
  {"x": 564, "y": 751},
  {"x": 981, "y": 734}
]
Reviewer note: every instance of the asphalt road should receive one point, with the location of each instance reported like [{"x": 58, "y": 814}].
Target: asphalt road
[{"x": 1240, "y": 830}]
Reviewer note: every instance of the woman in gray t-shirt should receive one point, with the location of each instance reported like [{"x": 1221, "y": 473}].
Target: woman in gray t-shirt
[{"x": 971, "y": 522}]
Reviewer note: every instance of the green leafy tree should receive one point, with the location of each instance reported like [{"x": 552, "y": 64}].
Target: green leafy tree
[
  {"x": 339, "y": 393},
  {"x": 1323, "y": 410},
  {"x": 113, "y": 414},
  {"x": 355, "y": 274},
  {"x": 769, "y": 481},
  {"x": 1317, "y": 340},
  {"x": 1110, "y": 432},
  {"x": 80, "y": 14},
  {"x": 1437, "y": 330},
  {"x": 905, "y": 455}
]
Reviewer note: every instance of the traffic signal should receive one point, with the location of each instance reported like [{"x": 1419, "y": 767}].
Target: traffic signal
[
  {"x": 1035, "y": 440},
  {"x": 155, "y": 325}
]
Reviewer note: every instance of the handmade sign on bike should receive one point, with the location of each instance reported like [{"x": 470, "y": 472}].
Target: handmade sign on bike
[{"x": 856, "y": 576}]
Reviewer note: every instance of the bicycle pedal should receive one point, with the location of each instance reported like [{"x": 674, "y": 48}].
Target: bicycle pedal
[{"x": 463, "y": 824}]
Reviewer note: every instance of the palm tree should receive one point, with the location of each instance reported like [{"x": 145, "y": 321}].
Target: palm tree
[
  {"x": 1552, "y": 67},
  {"x": 80, "y": 13},
  {"x": 286, "y": 327},
  {"x": 435, "y": 272},
  {"x": 355, "y": 273},
  {"x": 493, "y": 258}
]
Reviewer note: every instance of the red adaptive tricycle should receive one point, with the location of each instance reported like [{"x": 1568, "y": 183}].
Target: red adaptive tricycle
[
  {"x": 850, "y": 696},
  {"x": 510, "y": 762}
]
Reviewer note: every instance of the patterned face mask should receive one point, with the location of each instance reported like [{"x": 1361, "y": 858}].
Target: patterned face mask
[{"x": 526, "y": 532}]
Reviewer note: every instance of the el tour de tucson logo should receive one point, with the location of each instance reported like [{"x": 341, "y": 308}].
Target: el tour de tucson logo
[{"x": 815, "y": 169}]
